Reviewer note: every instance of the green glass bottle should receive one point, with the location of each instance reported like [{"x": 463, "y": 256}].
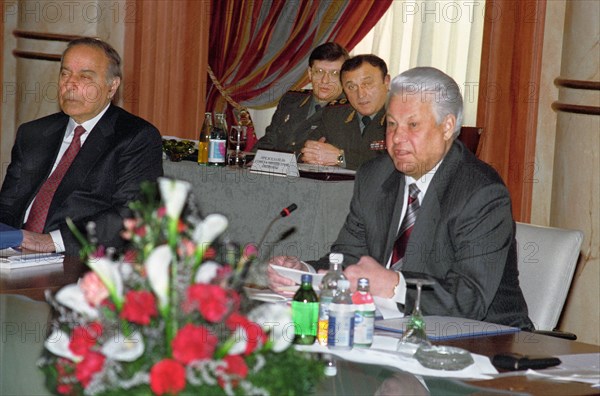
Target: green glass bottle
[{"x": 305, "y": 312}]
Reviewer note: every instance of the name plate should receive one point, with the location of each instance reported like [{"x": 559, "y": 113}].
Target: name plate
[{"x": 275, "y": 163}]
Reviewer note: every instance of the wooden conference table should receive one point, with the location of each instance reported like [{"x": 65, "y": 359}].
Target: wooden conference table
[{"x": 24, "y": 324}]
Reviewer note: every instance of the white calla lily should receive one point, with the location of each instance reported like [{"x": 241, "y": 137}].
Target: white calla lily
[
  {"x": 124, "y": 349},
  {"x": 58, "y": 344},
  {"x": 72, "y": 297},
  {"x": 275, "y": 319},
  {"x": 108, "y": 272},
  {"x": 240, "y": 344},
  {"x": 207, "y": 272},
  {"x": 208, "y": 229},
  {"x": 174, "y": 194},
  {"x": 157, "y": 268}
]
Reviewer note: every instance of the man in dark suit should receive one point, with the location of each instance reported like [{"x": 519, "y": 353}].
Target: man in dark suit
[
  {"x": 352, "y": 132},
  {"x": 461, "y": 233},
  {"x": 86, "y": 162},
  {"x": 297, "y": 110}
]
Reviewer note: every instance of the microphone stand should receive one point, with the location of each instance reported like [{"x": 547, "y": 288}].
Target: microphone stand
[{"x": 239, "y": 280}]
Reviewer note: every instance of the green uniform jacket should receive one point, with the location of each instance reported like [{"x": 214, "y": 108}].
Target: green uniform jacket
[
  {"x": 290, "y": 116},
  {"x": 339, "y": 124}
]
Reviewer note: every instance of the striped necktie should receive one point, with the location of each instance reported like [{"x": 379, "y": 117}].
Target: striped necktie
[
  {"x": 406, "y": 228},
  {"x": 39, "y": 210}
]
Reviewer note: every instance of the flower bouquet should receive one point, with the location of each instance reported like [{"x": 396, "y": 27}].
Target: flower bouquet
[{"x": 167, "y": 317}]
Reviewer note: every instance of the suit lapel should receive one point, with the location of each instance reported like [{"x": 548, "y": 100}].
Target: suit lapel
[
  {"x": 97, "y": 142},
  {"x": 391, "y": 208},
  {"x": 430, "y": 213}
]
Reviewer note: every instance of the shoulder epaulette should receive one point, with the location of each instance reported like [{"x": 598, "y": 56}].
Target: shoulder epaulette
[
  {"x": 338, "y": 102},
  {"x": 301, "y": 91}
]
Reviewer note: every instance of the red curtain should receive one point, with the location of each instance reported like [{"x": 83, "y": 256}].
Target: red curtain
[{"x": 259, "y": 49}]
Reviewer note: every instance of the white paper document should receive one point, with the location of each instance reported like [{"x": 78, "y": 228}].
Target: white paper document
[
  {"x": 325, "y": 169},
  {"x": 383, "y": 352},
  {"x": 13, "y": 259}
]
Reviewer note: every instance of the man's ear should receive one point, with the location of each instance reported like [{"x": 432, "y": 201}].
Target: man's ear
[
  {"x": 448, "y": 124},
  {"x": 114, "y": 86}
]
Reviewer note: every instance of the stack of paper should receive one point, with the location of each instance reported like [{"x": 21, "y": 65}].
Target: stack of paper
[{"x": 11, "y": 259}]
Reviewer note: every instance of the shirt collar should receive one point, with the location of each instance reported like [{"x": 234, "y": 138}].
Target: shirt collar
[
  {"x": 424, "y": 181},
  {"x": 89, "y": 124}
]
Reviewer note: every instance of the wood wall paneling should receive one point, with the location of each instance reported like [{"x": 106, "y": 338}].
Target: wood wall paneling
[
  {"x": 509, "y": 93},
  {"x": 165, "y": 64}
]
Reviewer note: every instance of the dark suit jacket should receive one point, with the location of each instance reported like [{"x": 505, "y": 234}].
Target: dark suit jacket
[
  {"x": 339, "y": 124},
  {"x": 290, "y": 117},
  {"x": 119, "y": 153},
  {"x": 463, "y": 237}
]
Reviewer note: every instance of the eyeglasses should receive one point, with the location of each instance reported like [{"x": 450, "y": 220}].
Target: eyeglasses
[
  {"x": 320, "y": 73},
  {"x": 365, "y": 85}
]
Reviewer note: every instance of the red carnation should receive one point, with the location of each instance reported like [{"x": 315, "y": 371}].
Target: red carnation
[
  {"x": 139, "y": 307},
  {"x": 212, "y": 301},
  {"x": 236, "y": 368},
  {"x": 210, "y": 253},
  {"x": 193, "y": 343},
  {"x": 84, "y": 337},
  {"x": 167, "y": 376},
  {"x": 254, "y": 335},
  {"x": 92, "y": 363}
]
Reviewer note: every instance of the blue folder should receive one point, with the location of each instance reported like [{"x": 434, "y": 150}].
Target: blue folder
[
  {"x": 10, "y": 236},
  {"x": 440, "y": 328}
]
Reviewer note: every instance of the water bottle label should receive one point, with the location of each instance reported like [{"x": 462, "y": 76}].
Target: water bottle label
[
  {"x": 323, "y": 321},
  {"x": 340, "y": 332},
  {"x": 305, "y": 317},
  {"x": 364, "y": 324},
  {"x": 217, "y": 149}
]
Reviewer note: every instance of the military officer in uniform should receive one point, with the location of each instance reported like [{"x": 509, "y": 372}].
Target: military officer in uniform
[
  {"x": 352, "y": 131},
  {"x": 298, "y": 110}
]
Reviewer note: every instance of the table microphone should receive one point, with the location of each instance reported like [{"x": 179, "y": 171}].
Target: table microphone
[{"x": 284, "y": 213}]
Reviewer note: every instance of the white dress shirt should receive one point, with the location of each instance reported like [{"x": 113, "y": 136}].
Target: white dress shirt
[
  {"x": 388, "y": 307},
  {"x": 69, "y": 134}
]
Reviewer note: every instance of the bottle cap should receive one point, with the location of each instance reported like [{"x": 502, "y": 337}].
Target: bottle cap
[
  {"x": 330, "y": 371},
  {"x": 343, "y": 284},
  {"x": 337, "y": 258},
  {"x": 306, "y": 278},
  {"x": 364, "y": 282}
]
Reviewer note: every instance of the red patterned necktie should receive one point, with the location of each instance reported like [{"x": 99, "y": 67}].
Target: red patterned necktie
[
  {"x": 406, "y": 228},
  {"x": 39, "y": 209}
]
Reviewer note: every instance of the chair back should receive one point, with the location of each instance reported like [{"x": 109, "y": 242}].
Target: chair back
[
  {"x": 470, "y": 137},
  {"x": 547, "y": 257}
]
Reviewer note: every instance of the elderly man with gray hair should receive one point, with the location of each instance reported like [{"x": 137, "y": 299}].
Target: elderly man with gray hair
[{"x": 430, "y": 209}]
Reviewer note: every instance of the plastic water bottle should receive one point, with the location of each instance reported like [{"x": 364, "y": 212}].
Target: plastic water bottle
[
  {"x": 305, "y": 312},
  {"x": 340, "y": 331},
  {"x": 364, "y": 315},
  {"x": 328, "y": 292}
]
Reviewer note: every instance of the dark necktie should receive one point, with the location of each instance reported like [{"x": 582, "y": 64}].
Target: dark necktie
[
  {"x": 317, "y": 108},
  {"x": 406, "y": 228},
  {"x": 39, "y": 209},
  {"x": 366, "y": 120}
]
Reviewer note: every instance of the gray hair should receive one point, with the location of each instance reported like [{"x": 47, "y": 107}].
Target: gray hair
[
  {"x": 114, "y": 60},
  {"x": 435, "y": 87}
]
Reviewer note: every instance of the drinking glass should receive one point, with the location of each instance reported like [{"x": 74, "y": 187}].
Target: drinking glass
[
  {"x": 414, "y": 336},
  {"x": 238, "y": 137}
]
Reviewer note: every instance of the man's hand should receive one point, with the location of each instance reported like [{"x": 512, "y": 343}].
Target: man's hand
[
  {"x": 37, "y": 242},
  {"x": 320, "y": 153},
  {"x": 276, "y": 281},
  {"x": 382, "y": 281}
]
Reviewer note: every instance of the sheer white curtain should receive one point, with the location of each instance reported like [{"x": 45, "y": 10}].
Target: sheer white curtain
[{"x": 444, "y": 34}]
